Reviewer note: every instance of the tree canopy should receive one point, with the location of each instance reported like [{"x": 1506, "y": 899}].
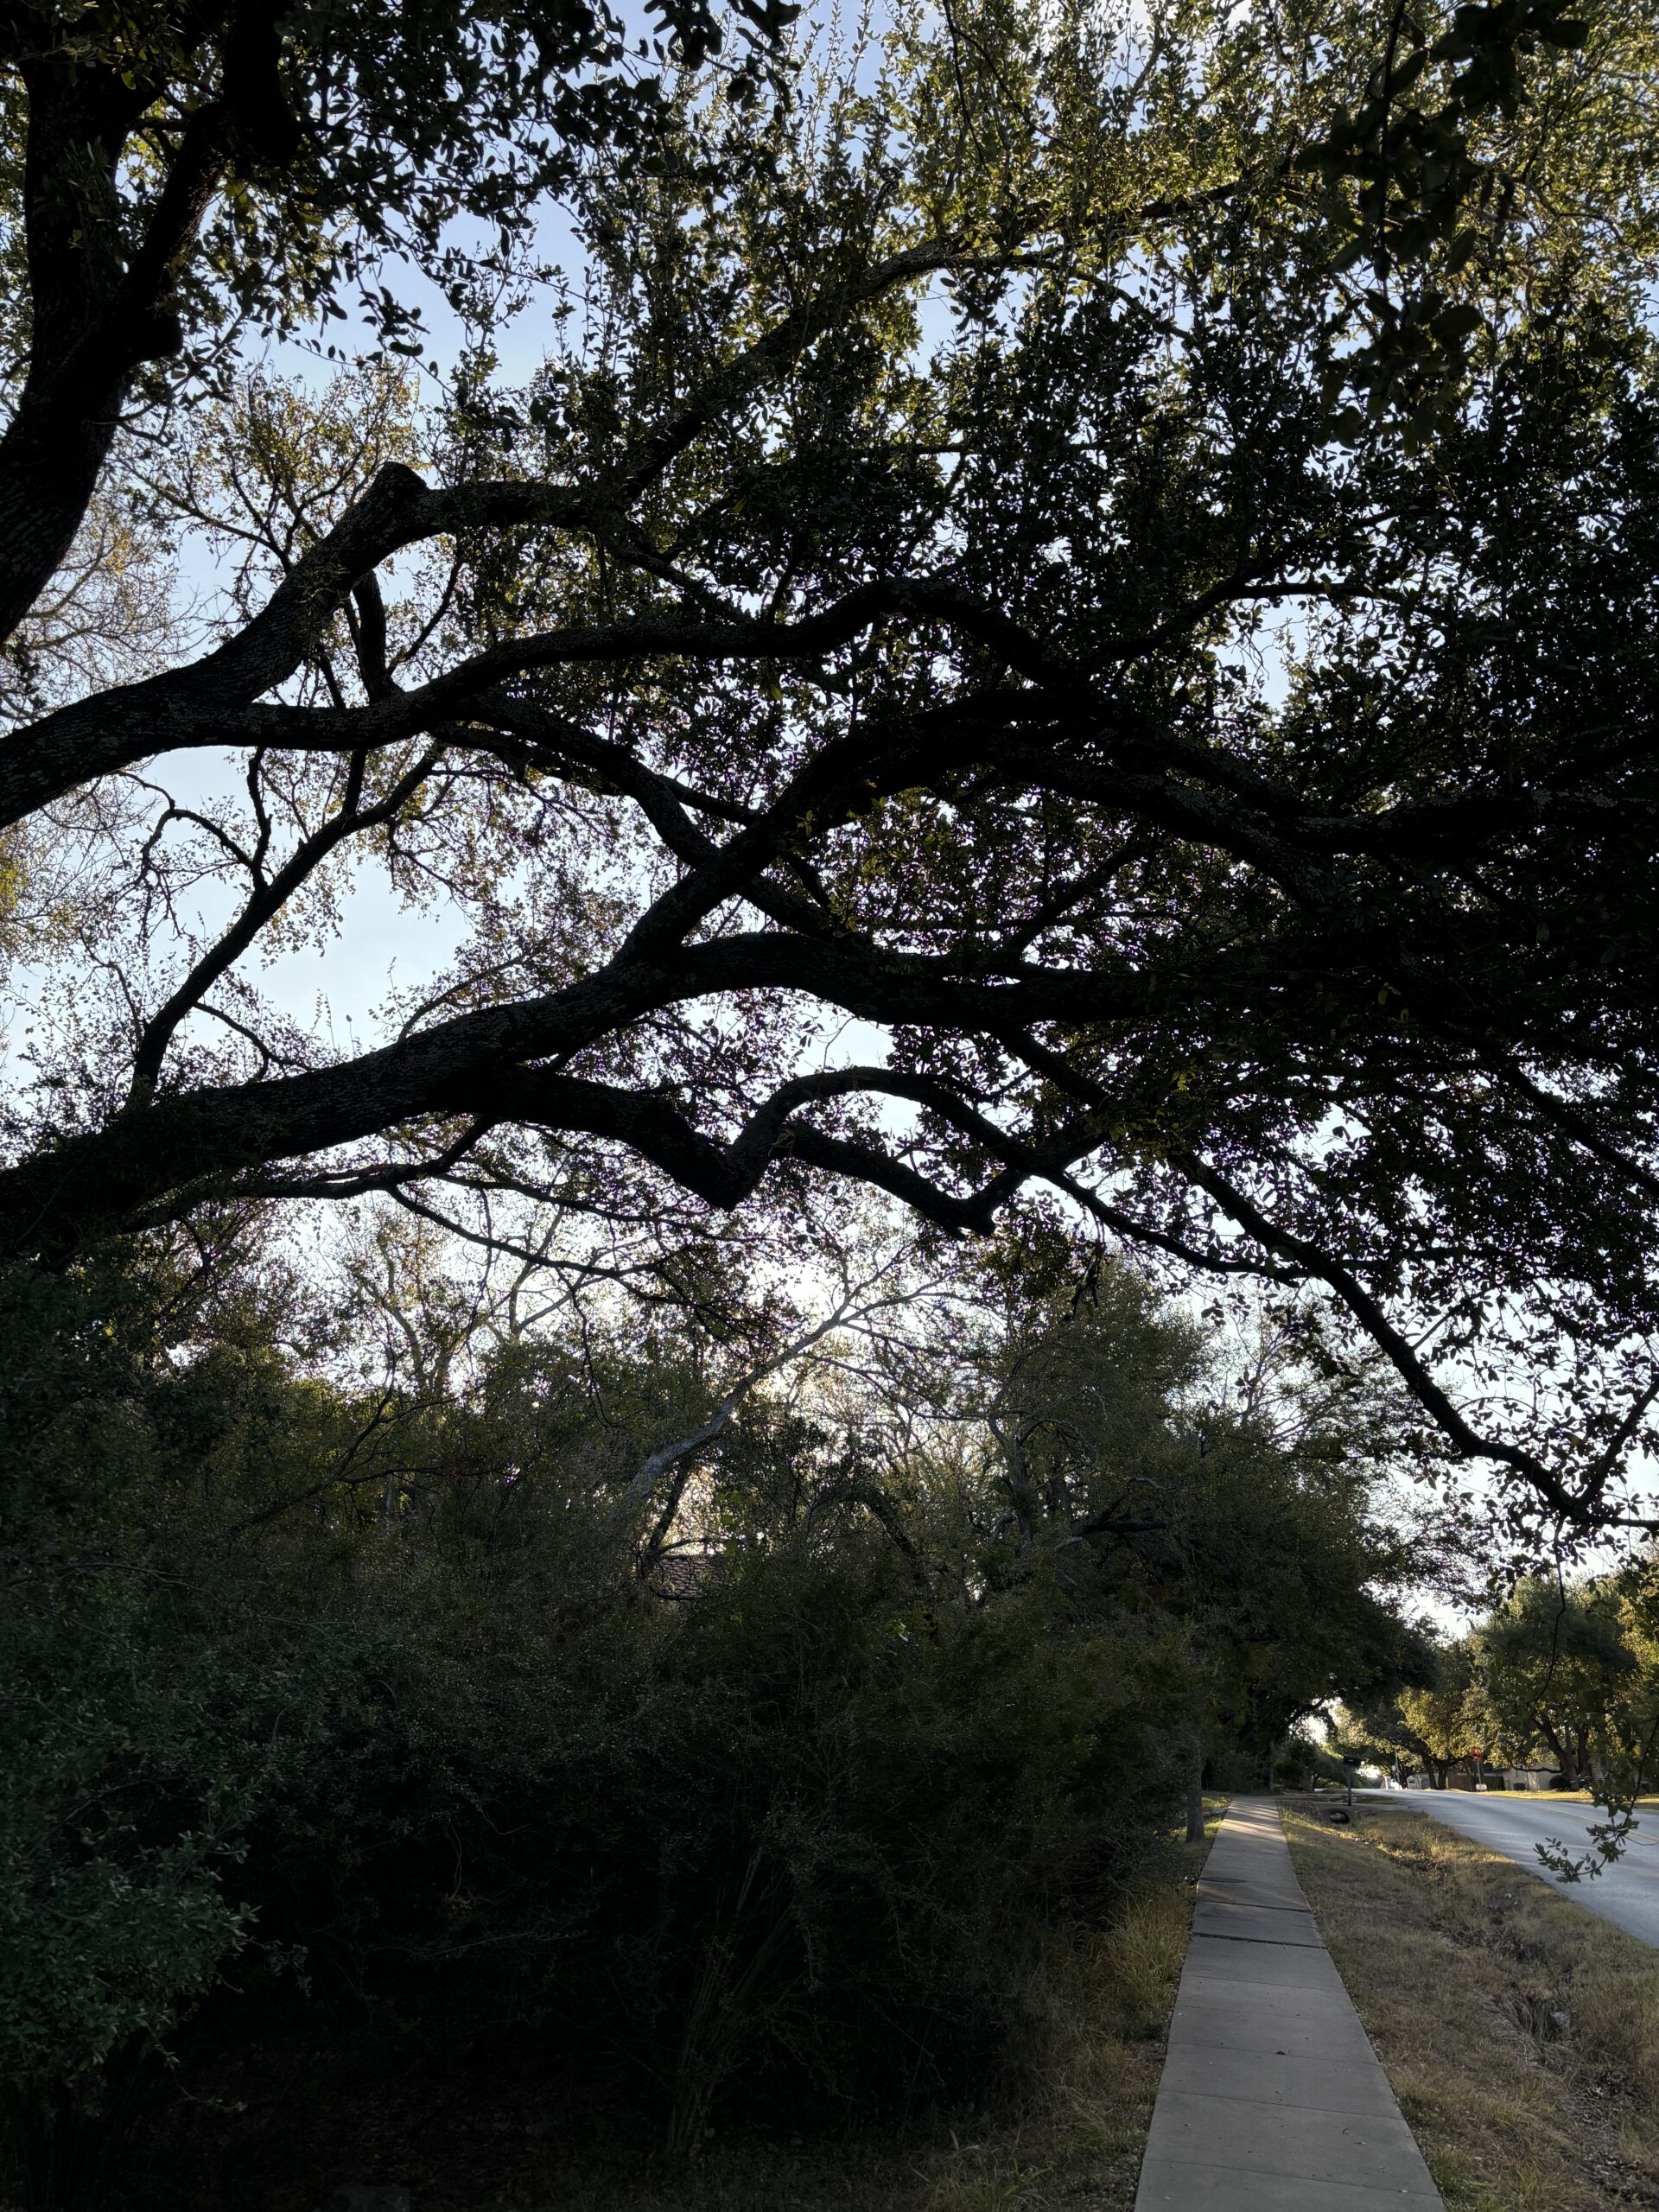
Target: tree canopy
[
  {"x": 1114, "y": 552},
  {"x": 1427, "y": 1724},
  {"x": 1559, "y": 1674}
]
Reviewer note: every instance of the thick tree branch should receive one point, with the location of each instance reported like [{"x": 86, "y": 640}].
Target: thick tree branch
[
  {"x": 1238, "y": 1207},
  {"x": 268, "y": 898}
]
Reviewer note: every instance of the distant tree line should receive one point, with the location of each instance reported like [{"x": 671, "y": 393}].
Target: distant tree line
[{"x": 1563, "y": 1678}]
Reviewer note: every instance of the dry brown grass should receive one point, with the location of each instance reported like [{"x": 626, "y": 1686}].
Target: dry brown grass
[
  {"x": 1560, "y": 1797},
  {"x": 1520, "y": 2032},
  {"x": 1101, "y": 2013}
]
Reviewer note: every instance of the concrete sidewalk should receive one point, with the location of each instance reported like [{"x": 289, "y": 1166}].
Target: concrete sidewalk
[{"x": 1272, "y": 2099}]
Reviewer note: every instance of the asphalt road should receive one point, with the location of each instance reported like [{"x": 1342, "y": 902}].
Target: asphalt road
[{"x": 1627, "y": 1893}]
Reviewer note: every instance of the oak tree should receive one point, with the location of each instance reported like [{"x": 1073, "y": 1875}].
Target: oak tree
[{"x": 1111, "y": 558}]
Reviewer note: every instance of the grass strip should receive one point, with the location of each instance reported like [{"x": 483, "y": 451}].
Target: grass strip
[
  {"x": 1553, "y": 1796},
  {"x": 1520, "y": 2032},
  {"x": 1099, "y": 2007}
]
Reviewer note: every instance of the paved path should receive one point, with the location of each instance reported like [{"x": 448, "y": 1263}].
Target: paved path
[
  {"x": 1272, "y": 2099},
  {"x": 1627, "y": 1893}
]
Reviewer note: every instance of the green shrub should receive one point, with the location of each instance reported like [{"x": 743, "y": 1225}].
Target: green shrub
[{"x": 376, "y": 1704}]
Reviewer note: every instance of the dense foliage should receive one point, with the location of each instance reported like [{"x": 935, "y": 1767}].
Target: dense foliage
[
  {"x": 396, "y": 1706},
  {"x": 1562, "y": 1678}
]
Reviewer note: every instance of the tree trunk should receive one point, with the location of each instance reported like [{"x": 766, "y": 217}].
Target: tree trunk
[
  {"x": 1569, "y": 1760},
  {"x": 1195, "y": 1788}
]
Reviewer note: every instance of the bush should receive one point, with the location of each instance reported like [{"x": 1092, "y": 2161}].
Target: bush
[
  {"x": 435, "y": 1747},
  {"x": 384, "y": 1703}
]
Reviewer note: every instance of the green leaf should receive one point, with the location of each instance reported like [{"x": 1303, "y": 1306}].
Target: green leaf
[{"x": 1454, "y": 323}]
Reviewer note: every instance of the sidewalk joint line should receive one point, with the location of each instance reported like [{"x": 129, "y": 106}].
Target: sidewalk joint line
[
  {"x": 1270, "y": 1943},
  {"x": 1287, "y": 2104},
  {"x": 1430, "y": 2196}
]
